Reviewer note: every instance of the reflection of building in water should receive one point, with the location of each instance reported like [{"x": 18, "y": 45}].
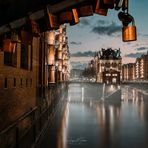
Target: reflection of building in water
[
  {"x": 137, "y": 70},
  {"x": 108, "y": 66},
  {"x": 62, "y": 133},
  {"x": 107, "y": 117}
]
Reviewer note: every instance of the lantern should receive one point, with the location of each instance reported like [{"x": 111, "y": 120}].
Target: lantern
[
  {"x": 59, "y": 54},
  {"x": 60, "y": 65},
  {"x": 50, "y": 55},
  {"x": 101, "y": 9},
  {"x": 61, "y": 29},
  {"x": 51, "y": 74},
  {"x": 60, "y": 38},
  {"x": 9, "y": 46},
  {"x": 60, "y": 46},
  {"x": 129, "y": 33},
  {"x": 50, "y": 37}
]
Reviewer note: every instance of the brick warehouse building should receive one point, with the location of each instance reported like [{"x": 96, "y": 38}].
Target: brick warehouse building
[
  {"x": 108, "y": 66},
  {"x": 136, "y": 71},
  {"x": 25, "y": 73}
]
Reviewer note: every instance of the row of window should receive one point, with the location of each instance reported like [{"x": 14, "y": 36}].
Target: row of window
[
  {"x": 108, "y": 74},
  {"x": 10, "y": 59},
  {"x": 22, "y": 83}
]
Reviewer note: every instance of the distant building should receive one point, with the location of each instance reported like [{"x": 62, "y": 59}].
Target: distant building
[
  {"x": 136, "y": 71},
  {"x": 108, "y": 66},
  {"x": 128, "y": 72}
]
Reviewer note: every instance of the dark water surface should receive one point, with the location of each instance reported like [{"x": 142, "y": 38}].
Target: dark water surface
[{"x": 88, "y": 122}]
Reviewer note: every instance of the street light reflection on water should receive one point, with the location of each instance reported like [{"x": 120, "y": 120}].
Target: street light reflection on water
[{"x": 88, "y": 122}]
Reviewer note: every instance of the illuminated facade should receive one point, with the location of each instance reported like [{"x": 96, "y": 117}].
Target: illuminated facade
[
  {"x": 26, "y": 73},
  {"x": 108, "y": 66},
  {"x": 128, "y": 72},
  {"x": 137, "y": 70}
]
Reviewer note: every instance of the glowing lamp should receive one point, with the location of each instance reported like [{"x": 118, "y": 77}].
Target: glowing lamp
[
  {"x": 50, "y": 37},
  {"x": 50, "y": 55}
]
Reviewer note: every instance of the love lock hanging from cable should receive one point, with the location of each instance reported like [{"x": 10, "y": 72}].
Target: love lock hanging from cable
[
  {"x": 101, "y": 8},
  {"x": 109, "y": 3},
  {"x": 129, "y": 32},
  {"x": 69, "y": 16}
]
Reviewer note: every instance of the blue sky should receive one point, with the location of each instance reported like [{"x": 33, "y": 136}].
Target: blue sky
[{"x": 96, "y": 32}]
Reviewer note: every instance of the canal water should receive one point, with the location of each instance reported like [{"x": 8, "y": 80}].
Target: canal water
[{"x": 88, "y": 121}]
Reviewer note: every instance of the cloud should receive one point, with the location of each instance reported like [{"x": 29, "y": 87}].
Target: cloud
[
  {"x": 104, "y": 28},
  {"x": 102, "y": 22},
  {"x": 142, "y": 48},
  {"x": 134, "y": 55},
  {"x": 75, "y": 43},
  {"x": 85, "y": 22},
  {"x": 146, "y": 35},
  {"x": 83, "y": 54}
]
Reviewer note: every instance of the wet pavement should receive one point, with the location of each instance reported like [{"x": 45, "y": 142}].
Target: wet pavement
[{"x": 90, "y": 122}]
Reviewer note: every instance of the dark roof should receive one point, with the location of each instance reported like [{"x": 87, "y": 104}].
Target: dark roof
[
  {"x": 12, "y": 10},
  {"x": 109, "y": 54}
]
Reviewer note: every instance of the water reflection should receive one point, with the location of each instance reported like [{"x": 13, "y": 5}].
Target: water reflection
[
  {"x": 88, "y": 122},
  {"x": 63, "y": 130}
]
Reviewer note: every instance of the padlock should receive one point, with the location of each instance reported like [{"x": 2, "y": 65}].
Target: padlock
[
  {"x": 109, "y": 3},
  {"x": 118, "y": 4},
  {"x": 85, "y": 10},
  {"x": 125, "y": 5},
  {"x": 101, "y": 9},
  {"x": 75, "y": 17},
  {"x": 48, "y": 22},
  {"x": 129, "y": 33},
  {"x": 69, "y": 16}
]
